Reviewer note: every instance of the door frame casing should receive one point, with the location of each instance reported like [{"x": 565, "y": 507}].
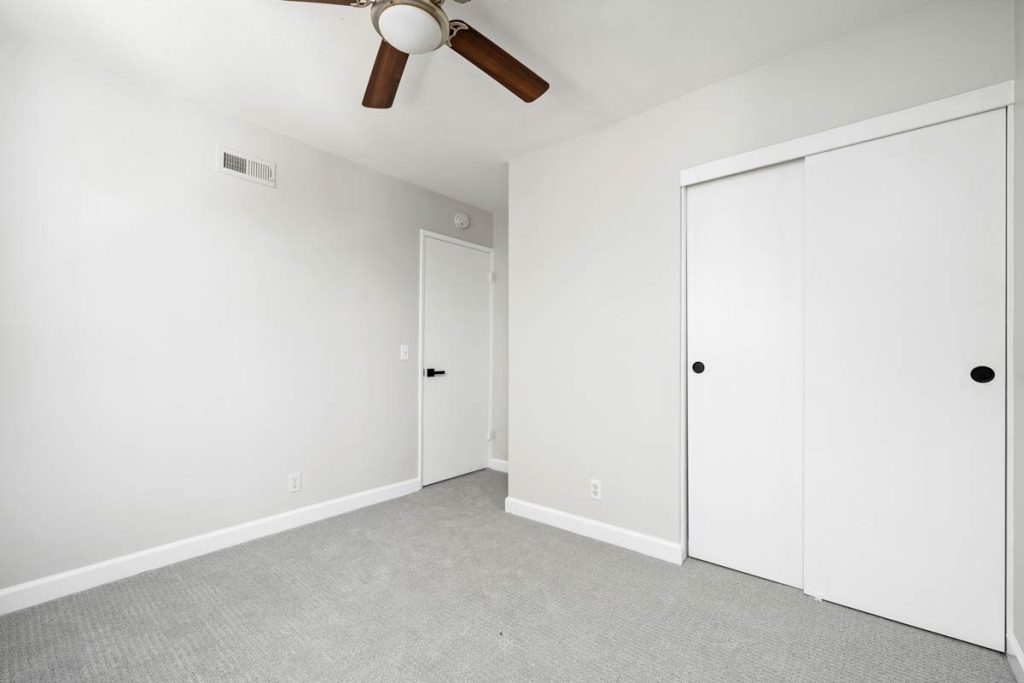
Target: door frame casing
[
  {"x": 423, "y": 237},
  {"x": 991, "y": 98}
]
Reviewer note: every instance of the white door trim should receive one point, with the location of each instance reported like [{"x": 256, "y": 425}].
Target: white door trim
[
  {"x": 454, "y": 240},
  {"x": 998, "y": 96},
  {"x": 1011, "y": 637},
  {"x": 424, "y": 236},
  {"x": 974, "y": 102}
]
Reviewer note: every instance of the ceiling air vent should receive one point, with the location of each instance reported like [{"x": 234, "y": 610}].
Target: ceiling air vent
[{"x": 244, "y": 166}]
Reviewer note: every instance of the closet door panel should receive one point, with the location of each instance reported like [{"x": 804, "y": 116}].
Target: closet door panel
[
  {"x": 904, "y": 450},
  {"x": 744, "y": 325}
]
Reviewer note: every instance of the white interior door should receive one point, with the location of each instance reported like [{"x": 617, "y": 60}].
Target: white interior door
[
  {"x": 744, "y": 294},
  {"x": 456, "y": 359},
  {"x": 905, "y": 291}
]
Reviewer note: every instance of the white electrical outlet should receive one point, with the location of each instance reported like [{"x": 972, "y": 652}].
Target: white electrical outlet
[
  {"x": 595, "y": 489},
  {"x": 294, "y": 482},
  {"x": 403, "y": 352}
]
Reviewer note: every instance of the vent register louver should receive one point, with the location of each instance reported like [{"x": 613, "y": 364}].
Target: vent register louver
[{"x": 244, "y": 166}]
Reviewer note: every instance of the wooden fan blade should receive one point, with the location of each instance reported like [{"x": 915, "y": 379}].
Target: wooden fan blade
[
  {"x": 496, "y": 63},
  {"x": 385, "y": 77},
  {"x": 349, "y": 3}
]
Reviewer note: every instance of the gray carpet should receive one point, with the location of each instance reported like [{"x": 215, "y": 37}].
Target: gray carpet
[{"x": 443, "y": 585}]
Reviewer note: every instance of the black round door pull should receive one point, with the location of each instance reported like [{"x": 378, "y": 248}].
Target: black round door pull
[
  {"x": 983, "y": 374},
  {"x": 698, "y": 367}
]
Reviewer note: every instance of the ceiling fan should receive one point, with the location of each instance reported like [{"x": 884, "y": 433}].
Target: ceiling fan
[{"x": 414, "y": 27}]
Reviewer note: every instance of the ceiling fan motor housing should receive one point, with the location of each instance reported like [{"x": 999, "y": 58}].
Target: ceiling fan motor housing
[{"x": 412, "y": 26}]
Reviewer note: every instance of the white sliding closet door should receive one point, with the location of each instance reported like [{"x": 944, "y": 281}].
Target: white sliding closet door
[
  {"x": 744, "y": 297},
  {"x": 905, "y": 292}
]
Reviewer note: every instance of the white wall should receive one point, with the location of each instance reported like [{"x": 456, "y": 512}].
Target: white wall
[
  {"x": 595, "y": 251},
  {"x": 500, "y": 405},
  {"x": 175, "y": 341}
]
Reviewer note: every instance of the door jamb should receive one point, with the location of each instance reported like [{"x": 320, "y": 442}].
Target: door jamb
[
  {"x": 1012, "y": 645},
  {"x": 423, "y": 237}
]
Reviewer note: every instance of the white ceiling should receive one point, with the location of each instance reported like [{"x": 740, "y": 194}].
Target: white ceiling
[{"x": 300, "y": 69}]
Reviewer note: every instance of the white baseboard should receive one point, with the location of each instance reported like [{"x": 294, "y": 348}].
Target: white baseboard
[
  {"x": 1016, "y": 657},
  {"x": 55, "y": 586},
  {"x": 499, "y": 465},
  {"x": 624, "y": 538}
]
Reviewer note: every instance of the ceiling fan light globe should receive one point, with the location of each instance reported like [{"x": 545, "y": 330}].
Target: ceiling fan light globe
[{"x": 411, "y": 29}]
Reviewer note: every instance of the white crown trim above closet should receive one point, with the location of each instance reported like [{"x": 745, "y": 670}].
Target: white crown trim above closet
[{"x": 974, "y": 102}]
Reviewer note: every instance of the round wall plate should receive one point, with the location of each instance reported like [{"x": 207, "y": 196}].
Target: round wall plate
[{"x": 462, "y": 221}]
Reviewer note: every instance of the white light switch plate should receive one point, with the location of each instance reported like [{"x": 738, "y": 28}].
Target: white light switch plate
[{"x": 403, "y": 352}]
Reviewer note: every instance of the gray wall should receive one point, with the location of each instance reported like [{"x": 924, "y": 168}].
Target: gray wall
[
  {"x": 175, "y": 341},
  {"x": 595, "y": 253}
]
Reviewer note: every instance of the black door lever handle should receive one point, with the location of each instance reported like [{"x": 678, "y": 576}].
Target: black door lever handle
[{"x": 431, "y": 372}]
